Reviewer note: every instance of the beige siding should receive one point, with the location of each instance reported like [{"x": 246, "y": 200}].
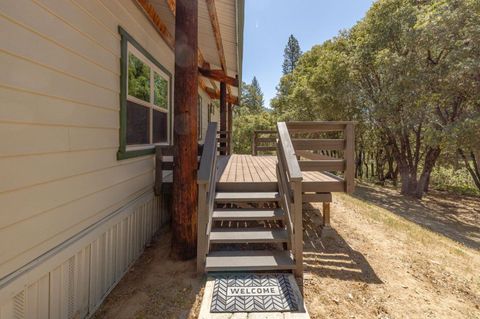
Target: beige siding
[
  {"x": 73, "y": 281},
  {"x": 59, "y": 121}
]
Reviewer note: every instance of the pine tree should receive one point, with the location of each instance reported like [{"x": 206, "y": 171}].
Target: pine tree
[
  {"x": 252, "y": 96},
  {"x": 291, "y": 54}
]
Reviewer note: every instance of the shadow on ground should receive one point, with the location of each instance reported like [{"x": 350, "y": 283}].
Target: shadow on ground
[
  {"x": 330, "y": 255},
  {"x": 156, "y": 287},
  {"x": 454, "y": 216}
]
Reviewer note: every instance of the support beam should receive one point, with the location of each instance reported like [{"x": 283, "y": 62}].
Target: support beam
[
  {"x": 185, "y": 191},
  {"x": 201, "y": 60},
  {"x": 218, "y": 75},
  {"x": 215, "y": 95},
  {"x": 223, "y": 113},
  {"x": 326, "y": 214},
  {"x": 212, "y": 12},
  {"x": 158, "y": 24}
]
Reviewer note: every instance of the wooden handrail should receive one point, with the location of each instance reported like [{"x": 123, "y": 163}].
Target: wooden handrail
[
  {"x": 290, "y": 180},
  {"x": 293, "y": 169},
  {"x": 342, "y": 157},
  {"x": 257, "y": 141},
  {"x": 318, "y": 126},
  {"x": 209, "y": 152},
  {"x": 206, "y": 180},
  {"x": 318, "y": 144}
]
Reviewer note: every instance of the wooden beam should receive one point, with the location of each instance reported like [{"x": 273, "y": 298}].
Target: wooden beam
[
  {"x": 218, "y": 75},
  {"x": 172, "y": 6},
  {"x": 154, "y": 18},
  {"x": 201, "y": 60},
  {"x": 185, "y": 190},
  {"x": 215, "y": 95},
  {"x": 212, "y": 12}
]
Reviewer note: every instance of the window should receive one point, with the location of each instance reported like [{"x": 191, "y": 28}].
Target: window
[
  {"x": 145, "y": 112},
  {"x": 199, "y": 117}
]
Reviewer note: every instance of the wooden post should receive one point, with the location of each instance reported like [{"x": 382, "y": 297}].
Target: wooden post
[
  {"x": 230, "y": 125},
  {"x": 202, "y": 222},
  {"x": 223, "y": 114},
  {"x": 298, "y": 228},
  {"x": 326, "y": 214},
  {"x": 184, "y": 210}
]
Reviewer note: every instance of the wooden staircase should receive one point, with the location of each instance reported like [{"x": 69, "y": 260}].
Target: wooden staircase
[
  {"x": 245, "y": 226},
  {"x": 249, "y": 226},
  {"x": 240, "y": 229}
]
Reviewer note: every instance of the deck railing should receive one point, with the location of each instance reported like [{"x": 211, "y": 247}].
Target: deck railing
[
  {"x": 206, "y": 179},
  {"x": 290, "y": 179},
  {"x": 224, "y": 141},
  {"x": 264, "y": 141},
  {"x": 326, "y": 154}
]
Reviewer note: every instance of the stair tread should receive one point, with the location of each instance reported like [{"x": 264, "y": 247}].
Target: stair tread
[
  {"x": 247, "y": 196},
  {"x": 244, "y": 260},
  {"x": 248, "y": 235},
  {"x": 248, "y": 214}
]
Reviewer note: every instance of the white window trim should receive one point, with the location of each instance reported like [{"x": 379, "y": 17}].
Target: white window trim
[{"x": 151, "y": 106}]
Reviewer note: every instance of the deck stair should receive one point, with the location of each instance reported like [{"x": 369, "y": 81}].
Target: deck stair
[
  {"x": 256, "y": 224},
  {"x": 239, "y": 228}
]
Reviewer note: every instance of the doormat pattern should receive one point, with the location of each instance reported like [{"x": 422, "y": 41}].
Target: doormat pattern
[{"x": 253, "y": 293}]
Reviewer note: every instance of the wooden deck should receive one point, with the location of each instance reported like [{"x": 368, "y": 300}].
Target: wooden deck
[{"x": 250, "y": 169}]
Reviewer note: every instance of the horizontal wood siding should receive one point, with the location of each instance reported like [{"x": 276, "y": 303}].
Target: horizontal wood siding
[
  {"x": 59, "y": 122},
  {"x": 72, "y": 281}
]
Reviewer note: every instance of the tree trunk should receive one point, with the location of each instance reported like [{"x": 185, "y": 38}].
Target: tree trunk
[
  {"x": 395, "y": 177},
  {"x": 472, "y": 169},
  {"x": 358, "y": 165},
  {"x": 366, "y": 169},
  {"x": 430, "y": 160},
  {"x": 185, "y": 192}
]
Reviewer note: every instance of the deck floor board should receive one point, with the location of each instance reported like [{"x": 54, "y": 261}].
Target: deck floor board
[{"x": 238, "y": 168}]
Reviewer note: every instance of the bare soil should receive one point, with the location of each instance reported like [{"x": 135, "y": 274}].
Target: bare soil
[{"x": 386, "y": 257}]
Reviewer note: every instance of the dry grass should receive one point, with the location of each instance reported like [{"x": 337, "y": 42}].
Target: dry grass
[{"x": 379, "y": 262}]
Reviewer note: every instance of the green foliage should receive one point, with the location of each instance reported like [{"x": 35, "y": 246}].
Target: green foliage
[
  {"x": 408, "y": 73},
  {"x": 245, "y": 124},
  {"x": 450, "y": 179},
  {"x": 291, "y": 55},
  {"x": 138, "y": 78},
  {"x": 251, "y": 96},
  {"x": 160, "y": 93},
  {"x": 251, "y": 115}
]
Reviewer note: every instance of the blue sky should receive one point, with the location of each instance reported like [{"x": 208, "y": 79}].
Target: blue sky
[{"x": 269, "y": 23}]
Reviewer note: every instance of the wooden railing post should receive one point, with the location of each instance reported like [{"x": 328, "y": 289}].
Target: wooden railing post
[
  {"x": 288, "y": 164},
  {"x": 202, "y": 227},
  {"x": 350, "y": 157},
  {"x": 298, "y": 228},
  {"x": 254, "y": 144},
  {"x": 206, "y": 180},
  {"x": 326, "y": 215}
]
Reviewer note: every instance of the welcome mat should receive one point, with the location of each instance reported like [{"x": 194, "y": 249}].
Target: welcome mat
[{"x": 253, "y": 293}]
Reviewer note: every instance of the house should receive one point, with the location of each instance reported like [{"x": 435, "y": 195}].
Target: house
[{"x": 86, "y": 93}]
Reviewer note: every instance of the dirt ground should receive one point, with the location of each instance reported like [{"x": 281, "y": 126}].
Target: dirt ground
[{"x": 379, "y": 261}]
